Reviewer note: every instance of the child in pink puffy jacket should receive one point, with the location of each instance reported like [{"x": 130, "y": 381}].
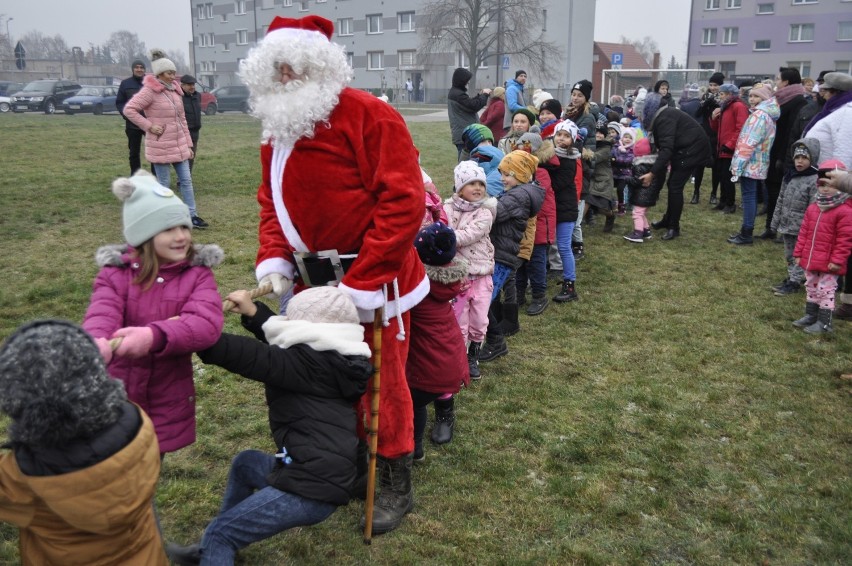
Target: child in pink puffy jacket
[
  {"x": 823, "y": 246},
  {"x": 157, "y": 297}
]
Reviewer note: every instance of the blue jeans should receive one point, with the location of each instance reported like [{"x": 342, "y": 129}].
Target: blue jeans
[
  {"x": 163, "y": 172},
  {"x": 749, "y": 187},
  {"x": 535, "y": 270},
  {"x": 252, "y": 510},
  {"x": 578, "y": 225},
  {"x": 563, "y": 242}
]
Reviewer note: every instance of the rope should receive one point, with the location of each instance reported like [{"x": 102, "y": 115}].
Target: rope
[{"x": 226, "y": 306}]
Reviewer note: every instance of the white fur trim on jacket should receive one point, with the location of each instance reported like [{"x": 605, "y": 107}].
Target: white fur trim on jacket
[
  {"x": 279, "y": 162},
  {"x": 367, "y": 301},
  {"x": 275, "y": 265},
  {"x": 344, "y": 338}
]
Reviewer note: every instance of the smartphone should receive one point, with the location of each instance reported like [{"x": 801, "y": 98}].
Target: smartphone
[{"x": 823, "y": 173}]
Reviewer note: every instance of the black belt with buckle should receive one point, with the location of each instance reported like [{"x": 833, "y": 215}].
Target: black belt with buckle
[{"x": 321, "y": 268}]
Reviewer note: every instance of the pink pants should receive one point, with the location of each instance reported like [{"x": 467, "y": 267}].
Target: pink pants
[
  {"x": 820, "y": 288},
  {"x": 471, "y": 308},
  {"x": 640, "y": 221}
]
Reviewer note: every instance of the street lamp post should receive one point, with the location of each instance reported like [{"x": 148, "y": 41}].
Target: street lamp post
[{"x": 9, "y": 35}]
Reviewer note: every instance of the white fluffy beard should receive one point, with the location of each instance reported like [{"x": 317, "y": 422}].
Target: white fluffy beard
[{"x": 292, "y": 111}]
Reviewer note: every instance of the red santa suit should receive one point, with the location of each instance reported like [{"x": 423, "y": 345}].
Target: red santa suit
[{"x": 354, "y": 187}]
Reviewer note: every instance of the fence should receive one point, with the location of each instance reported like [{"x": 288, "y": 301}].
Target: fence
[{"x": 624, "y": 82}]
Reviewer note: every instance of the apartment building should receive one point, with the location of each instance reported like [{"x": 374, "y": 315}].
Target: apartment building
[
  {"x": 383, "y": 41},
  {"x": 756, "y": 37}
]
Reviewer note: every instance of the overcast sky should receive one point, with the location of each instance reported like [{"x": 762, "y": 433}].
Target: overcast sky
[{"x": 167, "y": 23}]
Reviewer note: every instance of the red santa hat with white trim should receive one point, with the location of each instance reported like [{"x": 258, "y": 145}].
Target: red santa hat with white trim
[{"x": 305, "y": 27}]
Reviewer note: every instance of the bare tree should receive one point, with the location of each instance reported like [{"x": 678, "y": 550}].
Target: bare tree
[
  {"x": 125, "y": 46},
  {"x": 486, "y": 29},
  {"x": 179, "y": 60},
  {"x": 646, "y": 47},
  {"x": 40, "y": 46}
]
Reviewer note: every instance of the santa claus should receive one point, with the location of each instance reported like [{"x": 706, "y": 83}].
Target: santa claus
[{"x": 341, "y": 201}]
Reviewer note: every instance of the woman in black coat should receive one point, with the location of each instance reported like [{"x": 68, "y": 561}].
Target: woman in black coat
[{"x": 681, "y": 143}]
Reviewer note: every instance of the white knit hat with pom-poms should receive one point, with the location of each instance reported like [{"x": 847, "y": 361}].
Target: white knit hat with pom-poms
[
  {"x": 159, "y": 63},
  {"x": 149, "y": 207}
]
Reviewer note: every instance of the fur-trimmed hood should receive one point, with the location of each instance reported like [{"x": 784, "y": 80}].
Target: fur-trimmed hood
[
  {"x": 118, "y": 255},
  {"x": 546, "y": 152},
  {"x": 154, "y": 84},
  {"x": 454, "y": 271}
]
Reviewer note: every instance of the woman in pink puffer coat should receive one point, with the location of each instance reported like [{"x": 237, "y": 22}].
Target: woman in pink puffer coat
[{"x": 158, "y": 110}]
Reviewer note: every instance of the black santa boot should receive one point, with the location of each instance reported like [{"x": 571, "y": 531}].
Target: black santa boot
[
  {"x": 445, "y": 421},
  {"x": 396, "y": 496}
]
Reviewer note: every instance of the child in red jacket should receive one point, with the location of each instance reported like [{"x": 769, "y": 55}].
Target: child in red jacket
[{"x": 823, "y": 246}]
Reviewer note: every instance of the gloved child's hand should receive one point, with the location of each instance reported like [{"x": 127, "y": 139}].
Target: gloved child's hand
[
  {"x": 136, "y": 341},
  {"x": 105, "y": 349}
]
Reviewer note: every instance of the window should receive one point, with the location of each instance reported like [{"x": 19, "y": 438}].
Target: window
[
  {"x": 762, "y": 44},
  {"x": 763, "y": 9},
  {"x": 483, "y": 64},
  {"x": 804, "y": 67},
  {"x": 728, "y": 68},
  {"x": 208, "y": 8},
  {"x": 843, "y": 66},
  {"x": 844, "y": 31},
  {"x": 708, "y": 65},
  {"x": 708, "y": 36},
  {"x": 801, "y": 32},
  {"x": 242, "y": 36},
  {"x": 805, "y": 1},
  {"x": 344, "y": 26},
  {"x": 733, "y": 4},
  {"x": 462, "y": 59},
  {"x": 375, "y": 60},
  {"x": 224, "y": 18},
  {"x": 406, "y": 21},
  {"x": 303, "y": 6},
  {"x": 544, "y": 20},
  {"x": 374, "y": 23},
  {"x": 211, "y": 39},
  {"x": 226, "y": 47},
  {"x": 321, "y": 1},
  {"x": 240, "y": 7},
  {"x": 201, "y": 12},
  {"x": 711, "y": 4},
  {"x": 730, "y": 36},
  {"x": 350, "y": 58},
  {"x": 202, "y": 40},
  {"x": 288, "y": 3},
  {"x": 407, "y": 58}
]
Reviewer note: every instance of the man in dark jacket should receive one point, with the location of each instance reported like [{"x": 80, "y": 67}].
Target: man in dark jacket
[
  {"x": 791, "y": 98},
  {"x": 126, "y": 90},
  {"x": 681, "y": 143},
  {"x": 462, "y": 109},
  {"x": 192, "y": 109}
]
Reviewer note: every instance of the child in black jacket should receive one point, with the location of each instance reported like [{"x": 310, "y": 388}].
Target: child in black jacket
[{"x": 315, "y": 365}]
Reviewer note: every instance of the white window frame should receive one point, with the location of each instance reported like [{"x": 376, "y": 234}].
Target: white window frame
[
  {"x": 844, "y": 66},
  {"x": 240, "y": 7},
  {"x": 348, "y": 29},
  {"x": 410, "y": 27},
  {"x": 202, "y": 40},
  {"x": 209, "y": 9},
  {"x": 768, "y": 45},
  {"x": 371, "y": 55},
  {"x": 728, "y": 68},
  {"x": 303, "y": 6},
  {"x": 804, "y": 67},
  {"x": 461, "y": 59},
  {"x": 226, "y": 47},
  {"x": 483, "y": 64},
  {"x": 201, "y": 14},
  {"x": 713, "y": 36},
  {"x": 224, "y": 18},
  {"x": 377, "y": 19},
  {"x": 733, "y": 4},
  {"x": 801, "y": 28},
  {"x": 711, "y": 5},
  {"x": 211, "y": 39},
  {"x": 407, "y": 58},
  {"x": 771, "y": 9},
  {"x": 730, "y": 36},
  {"x": 799, "y": 2},
  {"x": 287, "y": 3},
  {"x": 350, "y": 59},
  {"x": 848, "y": 31},
  {"x": 707, "y": 65},
  {"x": 244, "y": 34},
  {"x": 321, "y": 1}
]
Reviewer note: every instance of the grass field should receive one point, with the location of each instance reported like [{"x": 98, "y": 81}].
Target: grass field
[{"x": 671, "y": 416}]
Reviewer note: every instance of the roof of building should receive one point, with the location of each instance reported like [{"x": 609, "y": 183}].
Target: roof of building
[{"x": 631, "y": 57}]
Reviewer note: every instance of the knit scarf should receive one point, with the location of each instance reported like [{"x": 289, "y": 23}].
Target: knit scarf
[
  {"x": 465, "y": 205},
  {"x": 569, "y": 153},
  {"x": 827, "y": 202},
  {"x": 831, "y": 105},
  {"x": 788, "y": 93},
  {"x": 573, "y": 112},
  {"x": 169, "y": 85}
]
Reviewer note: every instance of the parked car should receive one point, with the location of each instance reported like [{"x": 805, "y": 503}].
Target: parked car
[
  {"x": 44, "y": 95},
  {"x": 209, "y": 103},
  {"x": 7, "y": 88},
  {"x": 234, "y": 97},
  {"x": 5, "y": 105},
  {"x": 92, "y": 98}
]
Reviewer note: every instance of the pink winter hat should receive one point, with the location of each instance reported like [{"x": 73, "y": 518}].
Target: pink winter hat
[
  {"x": 764, "y": 92},
  {"x": 642, "y": 147}
]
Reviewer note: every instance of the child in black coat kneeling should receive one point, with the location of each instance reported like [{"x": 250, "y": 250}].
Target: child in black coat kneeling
[{"x": 315, "y": 365}]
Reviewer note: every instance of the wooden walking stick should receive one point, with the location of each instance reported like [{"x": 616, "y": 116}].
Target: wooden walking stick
[
  {"x": 226, "y": 306},
  {"x": 373, "y": 432}
]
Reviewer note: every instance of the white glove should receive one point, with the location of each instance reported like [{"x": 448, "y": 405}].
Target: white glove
[{"x": 280, "y": 284}]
